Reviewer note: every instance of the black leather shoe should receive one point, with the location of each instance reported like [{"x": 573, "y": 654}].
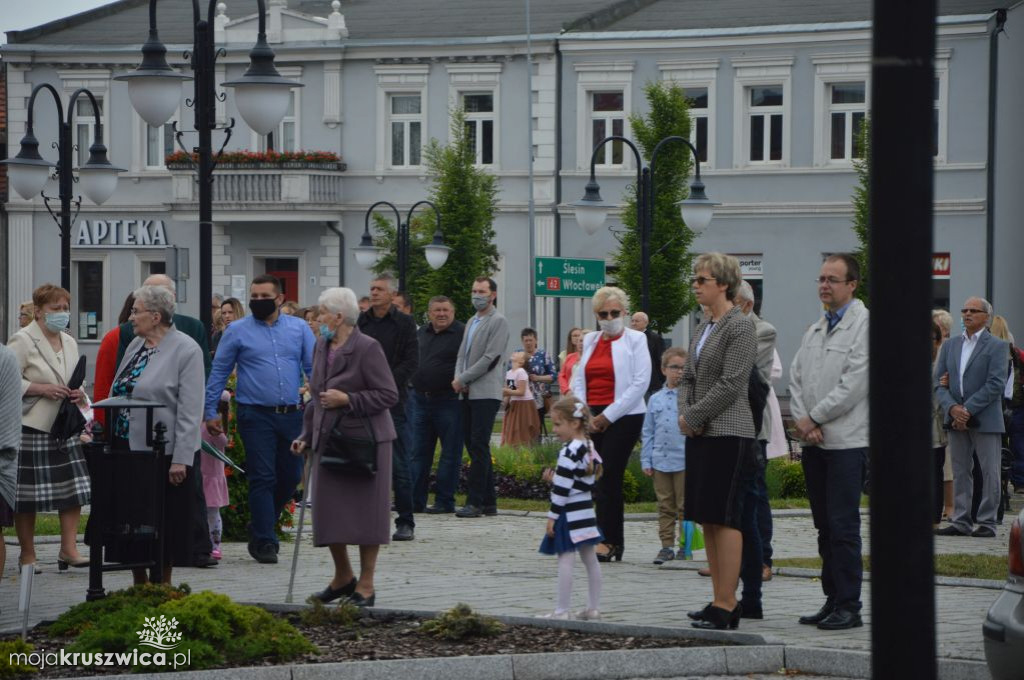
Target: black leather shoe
[
  {"x": 264, "y": 553},
  {"x": 950, "y": 530},
  {"x": 841, "y": 619},
  {"x": 983, "y": 532},
  {"x": 749, "y": 611},
  {"x": 469, "y": 511},
  {"x": 823, "y": 613},
  {"x": 716, "y": 618},
  {"x": 490, "y": 510},
  {"x": 698, "y": 614},
  {"x": 359, "y": 600},
  {"x": 330, "y": 594},
  {"x": 403, "y": 532},
  {"x": 438, "y": 510},
  {"x": 203, "y": 561}
]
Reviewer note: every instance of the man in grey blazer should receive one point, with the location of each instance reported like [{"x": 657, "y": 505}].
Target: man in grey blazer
[
  {"x": 479, "y": 378},
  {"x": 975, "y": 367}
]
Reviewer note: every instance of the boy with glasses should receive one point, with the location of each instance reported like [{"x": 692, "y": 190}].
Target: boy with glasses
[{"x": 663, "y": 456}]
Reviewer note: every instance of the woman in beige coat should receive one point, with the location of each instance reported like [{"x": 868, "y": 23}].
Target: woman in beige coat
[{"x": 52, "y": 474}]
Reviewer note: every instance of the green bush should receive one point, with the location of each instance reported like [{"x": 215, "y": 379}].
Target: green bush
[
  {"x": 641, "y": 484},
  {"x": 792, "y": 483},
  {"x": 461, "y": 622},
  {"x": 9, "y": 669},
  {"x": 214, "y": 630}
]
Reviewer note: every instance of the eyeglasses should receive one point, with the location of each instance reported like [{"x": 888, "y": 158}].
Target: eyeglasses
[
  {"x": 24, "y": 314},
  {"x": 701, "y": 280},
  {"x": 136, "y": 311},
  {"x": 613, "y": 313},
  {"x": 831, "y": 280},
  {"x": 675, "y": 367},
  {"x": 972, "y": 310}
]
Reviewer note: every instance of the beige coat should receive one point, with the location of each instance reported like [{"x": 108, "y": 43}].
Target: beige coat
[{"x": 39, "y": 364}]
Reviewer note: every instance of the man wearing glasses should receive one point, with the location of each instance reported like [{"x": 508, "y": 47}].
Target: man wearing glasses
[
  {"x": 828, "y": 385},
  {"x": 970, "y": 377}
]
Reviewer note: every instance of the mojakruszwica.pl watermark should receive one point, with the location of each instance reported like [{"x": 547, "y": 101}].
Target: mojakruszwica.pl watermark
[{"x": 157, "y": 632}]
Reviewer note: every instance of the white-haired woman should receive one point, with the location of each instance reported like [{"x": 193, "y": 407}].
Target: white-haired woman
[
  {"x": 351, "y": 388},
  {"x": 164, "y": 365},
  {"x": 613, "y": 372}
]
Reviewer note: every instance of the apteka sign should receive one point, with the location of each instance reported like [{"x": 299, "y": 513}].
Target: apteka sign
[{"x": 136, "y": 233}]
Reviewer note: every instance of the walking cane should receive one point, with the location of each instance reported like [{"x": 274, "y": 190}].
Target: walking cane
[{"x": 302, "y": 520}]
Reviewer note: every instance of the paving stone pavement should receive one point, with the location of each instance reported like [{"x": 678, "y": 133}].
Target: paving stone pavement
[{"x": 492, "y": 564}]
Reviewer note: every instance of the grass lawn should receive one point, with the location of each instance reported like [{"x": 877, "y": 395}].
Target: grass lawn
[
  {"x": 960, "y": 565},
  {"x": 48, "y": 524}
]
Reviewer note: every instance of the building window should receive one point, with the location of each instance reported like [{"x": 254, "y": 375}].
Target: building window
[
  {"x": 406, "y": 129},
  {"x": 85, "y": 126},
  {"x": 159, "y": 144},
  {"x": 479, "y": 108},
  {"x": 88, "y": 300},
  {"x": 846, "y": 115},
  {"x": 608, "y": 118},
  {"x": 766, "y": 128},
  {"x": 286, "y": 136},
  {"x": 699, "y": 116}
]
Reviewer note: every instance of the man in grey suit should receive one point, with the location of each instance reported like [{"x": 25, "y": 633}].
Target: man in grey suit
[
  {"x": 974, "y": 366},
  {"x": 479, "y": 378}
]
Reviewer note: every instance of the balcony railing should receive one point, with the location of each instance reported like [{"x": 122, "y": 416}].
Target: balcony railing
[{"x": 262, "y": 185}]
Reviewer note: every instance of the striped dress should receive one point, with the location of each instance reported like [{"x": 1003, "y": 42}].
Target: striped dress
[{"x": 571, "y": 495}]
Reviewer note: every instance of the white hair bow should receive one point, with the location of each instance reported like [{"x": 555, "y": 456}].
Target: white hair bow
[{"x": 578, "y": 413}]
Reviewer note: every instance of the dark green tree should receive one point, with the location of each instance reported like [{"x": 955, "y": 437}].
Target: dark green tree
[
  {"x": 862, "y": 207},
  {"x": 671, "y": 260},
  {"x": 467, "y": 198}
]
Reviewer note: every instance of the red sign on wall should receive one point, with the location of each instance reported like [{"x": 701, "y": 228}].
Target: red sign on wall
[
  {"x": 554, "y": 283},
  {"x": 941, "y": 265}
]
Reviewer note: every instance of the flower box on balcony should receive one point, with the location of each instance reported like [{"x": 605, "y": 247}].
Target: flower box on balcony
[{"x": 263, "y": 160}]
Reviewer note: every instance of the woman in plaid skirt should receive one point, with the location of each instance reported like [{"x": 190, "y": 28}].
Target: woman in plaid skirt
[{"x": 52, "y": 475}]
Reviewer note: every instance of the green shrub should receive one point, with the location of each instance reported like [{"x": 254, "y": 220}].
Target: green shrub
[
  {"x": 643, "y": 486},
  {"x": 792, "y": 483},
  {"x": 344, "y": 615},
  {"x": 461, "y": 622},
  {"x": 10, "y": 669},
  {"x": 214, "y": 630}
]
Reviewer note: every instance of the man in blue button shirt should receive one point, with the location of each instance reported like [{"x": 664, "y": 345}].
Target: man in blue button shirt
[{"x": 272, "y": 352}]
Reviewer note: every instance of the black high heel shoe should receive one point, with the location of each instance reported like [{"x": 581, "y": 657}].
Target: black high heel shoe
[
  {"x": 716, "y": 618},
  {"x": 330, "y": 594},
  {"x": 698, "y": 614},
  {"x": 614, "y": 553}
]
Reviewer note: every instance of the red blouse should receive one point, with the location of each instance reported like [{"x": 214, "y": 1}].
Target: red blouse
[{"x": 600, "y": 373}]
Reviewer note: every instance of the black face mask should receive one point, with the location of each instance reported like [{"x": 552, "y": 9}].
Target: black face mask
[{"x": 262, "y": 309}]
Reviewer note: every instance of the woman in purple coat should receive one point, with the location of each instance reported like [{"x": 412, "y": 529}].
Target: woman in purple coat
[{"x": 351, "y": 384}]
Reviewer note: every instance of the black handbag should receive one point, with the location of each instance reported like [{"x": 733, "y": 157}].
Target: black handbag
[
  {"x": 70, "y": 421},
  {"x": 350, "y": 456}
]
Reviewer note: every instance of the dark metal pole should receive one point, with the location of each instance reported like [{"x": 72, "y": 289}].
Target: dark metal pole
[
  {"x": 644, "y": 223},
  {"x": 902, "y": 562},
  {"x": 65, "y": 193},
  {"x": 402, "y": 253},
  {"x": 206, "y": 121}
]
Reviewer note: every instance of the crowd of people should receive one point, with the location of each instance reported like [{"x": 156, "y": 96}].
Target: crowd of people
[{"x": 349, "y": 398}]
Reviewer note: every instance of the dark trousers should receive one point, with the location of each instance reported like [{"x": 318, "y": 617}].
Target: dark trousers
[
  {"x": 938, "y": 487},
  {"x": 614, "y": 445},
  {"x": 1016, "y": 432},
  {"x": 977, "y": 488},
  {"x": 765, "y": 526},
  {"x": 430, "y": 419},
  {"x": 835, "y": 479},
  {"x": 477, "y": 423},
  {"x": 752, "y": 560},
  {"x": 201, "y": 545},
  {"x": 273, "y": 472},
  {"x": 401, "y": 473}
]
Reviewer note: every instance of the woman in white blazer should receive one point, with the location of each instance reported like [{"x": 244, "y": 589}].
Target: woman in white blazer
[
  {"x": 161, "y": 364},
  {"x": 613, "y": 375},
  {"x": 52, "y": 475}
]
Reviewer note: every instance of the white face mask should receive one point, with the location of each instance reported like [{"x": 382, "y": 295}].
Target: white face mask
[{"x": 611, "y": 327}]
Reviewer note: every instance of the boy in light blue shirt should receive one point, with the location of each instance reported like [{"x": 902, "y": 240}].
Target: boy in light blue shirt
[{"x": 663, "y": 456}]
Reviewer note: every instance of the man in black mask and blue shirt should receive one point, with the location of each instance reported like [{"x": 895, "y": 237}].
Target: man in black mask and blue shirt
[{"x": 272, "y": 352}]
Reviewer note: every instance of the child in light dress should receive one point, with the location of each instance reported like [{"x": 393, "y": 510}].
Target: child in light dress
[
  {"x": 215, "y": 484},
  {"x": 520, "y": 425}
]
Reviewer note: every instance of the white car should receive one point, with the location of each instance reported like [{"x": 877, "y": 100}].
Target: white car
[{"x": 1004, "y": 625}]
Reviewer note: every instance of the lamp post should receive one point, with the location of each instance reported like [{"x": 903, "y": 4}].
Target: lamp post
[
  {"x": 592, "y": 210},
  {"x": 262, "y": 97},
  {"x": 29, "y": 171},
  {"x": 436, "y": 251}
]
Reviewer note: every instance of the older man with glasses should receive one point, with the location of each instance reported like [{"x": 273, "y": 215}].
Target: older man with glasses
[{"x": 970, "y": 377}]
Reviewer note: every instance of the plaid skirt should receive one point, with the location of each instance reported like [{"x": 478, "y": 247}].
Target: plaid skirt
[{"x": 52, "y": 475}]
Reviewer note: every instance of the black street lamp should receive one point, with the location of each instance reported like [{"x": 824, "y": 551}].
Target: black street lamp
[
  {"x": 592, "y": 210},
  {"x": 262, "y": 96},
  {"x": 436, "y": 252},
  {"x": 29, "y": 171}
]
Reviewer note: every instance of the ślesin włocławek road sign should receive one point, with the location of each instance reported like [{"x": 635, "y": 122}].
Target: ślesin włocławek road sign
[{"x": 567, "y": 277}]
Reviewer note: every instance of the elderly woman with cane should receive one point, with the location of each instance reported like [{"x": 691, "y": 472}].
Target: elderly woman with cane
[{"x": 352, "y": 390}]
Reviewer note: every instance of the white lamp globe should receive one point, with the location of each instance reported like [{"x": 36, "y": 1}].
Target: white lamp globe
[
  {"x": 155, "y": 98},
  {"x": 590, "y": 217},
  {"x": 98, "y": 183},
  {"x": 27, "y": 180},
  {"x": 436, "y": 255},
  {"x": 367, "y": 256},
  {"x": 262, "y": 105}
]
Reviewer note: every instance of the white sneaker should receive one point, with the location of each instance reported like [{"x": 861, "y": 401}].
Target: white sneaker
[
  {"x": 556, "y": 615},
  {"x": 588, "y": 615}
]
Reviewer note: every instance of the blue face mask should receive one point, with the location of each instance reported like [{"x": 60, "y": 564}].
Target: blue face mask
[
  {"x": 57, "y": 321},
  {"x": 326, "y": 333}
]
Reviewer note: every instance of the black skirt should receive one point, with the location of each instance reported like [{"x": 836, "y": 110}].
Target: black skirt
[
  {"x": 130, "y": 510},
  {"x": 714, "y": 474}
]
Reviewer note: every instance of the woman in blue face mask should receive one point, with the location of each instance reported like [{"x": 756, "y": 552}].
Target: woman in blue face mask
[{"x": 51, "y": 475}]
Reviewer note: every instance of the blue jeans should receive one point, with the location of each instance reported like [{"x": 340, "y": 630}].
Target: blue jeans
[
  {"x": 477, "y": 422},
  {"x": 401, "y": 473},
  {"x": 753, "y": 555},
  {"x": 430, "y": 419},
  {"x": 1016, "y": 433},
  {"x": 273, "y": 472},
  {"x": 835, "y": 478}
]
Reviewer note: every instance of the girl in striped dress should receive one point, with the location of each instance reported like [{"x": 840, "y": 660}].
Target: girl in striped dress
[{"x": 572, "y": 523}]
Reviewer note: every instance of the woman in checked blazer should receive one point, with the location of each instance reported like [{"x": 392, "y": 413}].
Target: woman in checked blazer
[{"x": 714, "y": 414}]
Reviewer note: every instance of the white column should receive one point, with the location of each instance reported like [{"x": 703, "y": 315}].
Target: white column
[
  {"x": 332, "y": 94},
  {"x": 19, "y": 262},
  {"x": 221, "y": 260},
  {"x": 330, "y": 262},
  {"x": 544, "y": 229}
]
